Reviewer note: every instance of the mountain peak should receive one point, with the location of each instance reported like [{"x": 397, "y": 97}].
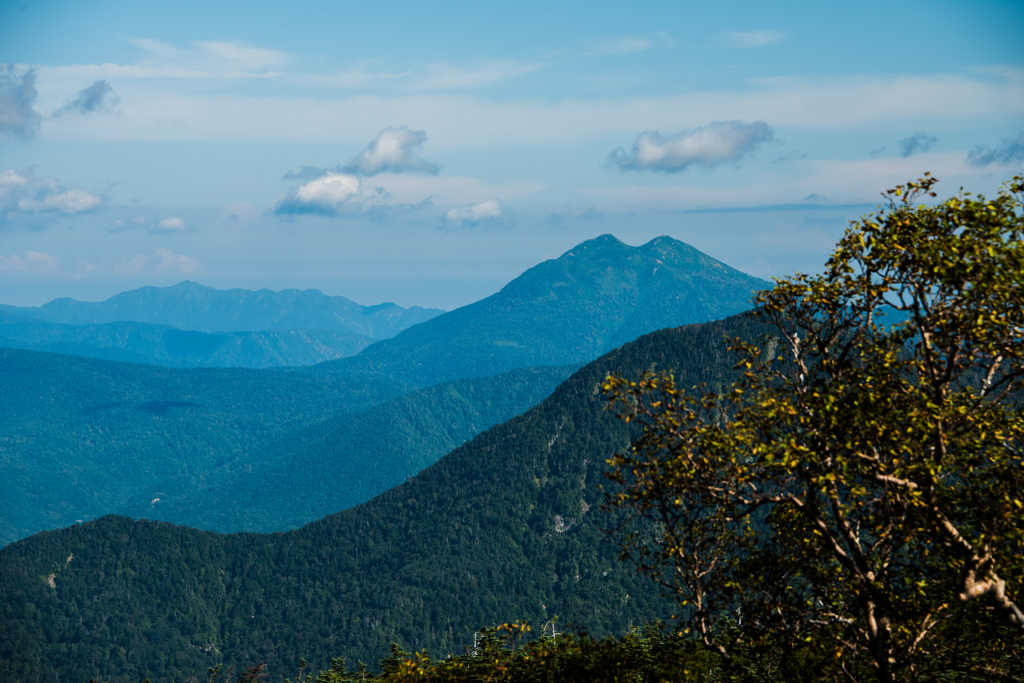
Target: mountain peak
[{"x": 598, "y": 295}]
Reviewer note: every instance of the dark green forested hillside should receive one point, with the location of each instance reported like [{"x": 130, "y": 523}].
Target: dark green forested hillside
[
  {"x": 80, "y": 436},
  {"x": 136, "y": 342},
  {"x": 597, "y": 296},
  {"x": 111, "y": 437},
  {"x": 504, "y": 527},
  {"x": 347, "y": 460}
]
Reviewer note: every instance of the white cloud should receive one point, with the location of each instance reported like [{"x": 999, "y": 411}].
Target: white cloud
[
  {"x": 747, "y": 39},
  {"x": 33, "y": 262},
  {"x": 172, "y": 224},
  {"x": 23, "y": 195},
  {"x": 167, "y": 260},
  {"x": 488, "y": 211},
  {"x": 322, "y": 196},
  {"x": 331, "y": 190},
  {"x": 718, "y": 143},
  {"x": 392, "y": 150}
]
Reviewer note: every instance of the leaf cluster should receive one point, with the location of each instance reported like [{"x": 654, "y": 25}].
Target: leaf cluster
[{"x": 859, "y": 490}]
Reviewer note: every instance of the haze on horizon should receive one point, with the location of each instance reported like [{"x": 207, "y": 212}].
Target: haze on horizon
[{"x": 428, "y": 154}]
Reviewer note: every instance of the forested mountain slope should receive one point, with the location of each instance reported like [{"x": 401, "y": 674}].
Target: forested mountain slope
[
  {"x": 598, "y": 295},
  {"x": 192, "y": 306},
  {"x": 504, "y": 527},
  {"x": 80, "y": 436},
  {"x": 136, "y": 342},
  {"x": 347, "y": 460}
]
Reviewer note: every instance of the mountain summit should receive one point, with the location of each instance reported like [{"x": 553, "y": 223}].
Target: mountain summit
[{"x": 595, "y": 297}]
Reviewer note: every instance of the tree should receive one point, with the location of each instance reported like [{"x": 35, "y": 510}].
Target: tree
[{"x": 854, "y": 503}]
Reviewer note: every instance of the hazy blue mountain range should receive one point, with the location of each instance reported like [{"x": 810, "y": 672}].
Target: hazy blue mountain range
[
  {"x": 505, "y": 527},
  {"x": 83, "y": 437},
  {"x": 192, "y": 306},
  {"x": 137, "y": 342},
  {"x": 595, "y": 297}
]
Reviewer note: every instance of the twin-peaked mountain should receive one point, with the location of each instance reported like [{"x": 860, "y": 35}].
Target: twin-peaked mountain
[{"x": 595, "y": 297}]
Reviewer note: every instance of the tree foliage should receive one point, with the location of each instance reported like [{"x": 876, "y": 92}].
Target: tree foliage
[{"x": 857, "y": 498}]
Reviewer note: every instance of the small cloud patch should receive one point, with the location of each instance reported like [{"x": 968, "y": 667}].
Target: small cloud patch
[
  {"x": 172, "y": 224},
  {"x": 24, "y": 195},
  {"x": 1009, "y": 151},
  {"x": 564, "y": 214},
  {"x": 472, "y": 215},
  {"x": 393, "y": 150},
  {"x": 917, "y": 143},
  {"x": 32, "y": 262},
  {"x": 97, "y": 98},
  {"x": 320, "y": 197},
  {"x": 18, "y": 118},
  {"x": 716, "y": 144}
]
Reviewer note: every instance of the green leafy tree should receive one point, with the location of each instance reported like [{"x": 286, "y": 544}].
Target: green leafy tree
[{"x": 856, "y": 501}]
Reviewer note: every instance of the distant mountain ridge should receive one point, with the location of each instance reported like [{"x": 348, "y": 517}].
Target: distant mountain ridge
[
  {"x": 137, "y": 342},
  {"x": 192, "y": 306},
  {"x": 595, "y": 297}
]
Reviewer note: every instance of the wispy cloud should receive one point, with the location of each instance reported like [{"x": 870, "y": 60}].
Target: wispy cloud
[
  {"x": 1009, "y": 151},
  {"x": 98, "y": 97},
  {"x": 825, "y": 103},
  {"x": 789, "y": 157},
  {"x": 32, "y": 262},
  {"x": 567, "y": 213},
  {"x": 490, "y": 211},
  {"x": 18, "y": 95},
  {"x": 201, "y": 60},
  {"x": 748, "y": 39},
  {"x": 447, "y": 77},
  {"x": 170, "y": 225},
  {"x": 24, "y": 195},
  {"x": 168, "y": 260},
  {"x": 623, "y": 45},
  {"x": 716, "y": 144},
  {"x": 165, "y": 261},
  {"x": 918, "y": 142},
  {"x": 393, "y": 150}
]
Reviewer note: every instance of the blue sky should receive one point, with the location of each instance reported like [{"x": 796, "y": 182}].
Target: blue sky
[{"x": 427, "y": 153}]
